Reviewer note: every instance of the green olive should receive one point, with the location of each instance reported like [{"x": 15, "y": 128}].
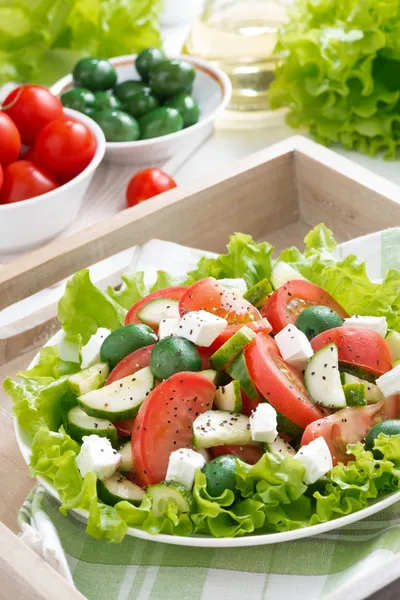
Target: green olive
[
  {"x": 106, "y": 100},
  {"x": 316, "y": 319},
  {"x": 187, "y": 107},
  {"x": 171, "y": 77},
  {"x": 161, "y": 121},
  {"x": 78, "y": 99},
  {"x": 173, "y": 355},
  {"x": 94, "y": 74},
  {"x": 220, "y": 475},
  {"x": 141, "y": 104},
  {"x": 117, "y": 125},
  {"x": 127, "y": 89},
  {"x": 147, "y": 60}
]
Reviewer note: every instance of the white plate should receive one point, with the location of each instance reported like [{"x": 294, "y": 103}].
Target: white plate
[{"x": 208, "y": 542}]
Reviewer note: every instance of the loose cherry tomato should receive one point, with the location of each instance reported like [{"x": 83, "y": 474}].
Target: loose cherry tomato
[
  {"x": 139, "y": 359},
  {"x": 65, "y": 147},
  {"x": 32, "y": 107},
  {"x": 207, "y": 294},
  {"x": 278, "y": 382},
  {"x": 173, "y": 293},
  {"x": 1, "y": 181},
  {"x": 359, "y": 347},
  {"x": 23, "y": 180},
  {"x": 228, "y": 332},
  {"x": 146, "y": 184},
  {"x": 164, "y": 422},
  {"x": 10, "y": 140},
  {"x": 288, "y": 301},
  {"x": 249, "y": 454}
]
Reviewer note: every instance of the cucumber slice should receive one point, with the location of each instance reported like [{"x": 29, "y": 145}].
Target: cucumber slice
[
  {"x": 118, "y": 488},
  {"x": 357, "y": 372},
  {"x": 169, "y": 491},
  {"x": 156, "y": 310},
  {"x": 322, "y": 378},
  {"x": 393, "y": 339},
  {"x": 77, "y": 424},
  {"x": 228, "y": 351},
  {"x": 285, "y": 425},
  {"x": 355, "y": 394},
  {"x": 280, "y": 446},
  {"x": 126, "y": 465},
  {"x": 210, "y": 374},
  {"x": 238, "y": 370},
  {"x": 237, "y": 284},
  {"x": 88, "y": 379},
  {"x": 220, "y": 428},
  {"x": 258, "y": 294},
  {"x": 228, "y": 397},
  {"x": 373, "y": 394},
  {"x": 120, "y": 400},
  {"x": 282, "y": 273}
]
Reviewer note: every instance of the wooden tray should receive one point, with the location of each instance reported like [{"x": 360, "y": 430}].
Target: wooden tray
[{"x": 276, "y": 194}]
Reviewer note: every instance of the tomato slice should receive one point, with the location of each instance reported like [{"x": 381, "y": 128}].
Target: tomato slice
[
  {"x": 278, "y": 382},
  {"x": 350, "y": 425},
  {"x": 164, "y": 422},
  {"x": 359, "y": 347},
  {"x": 248, "y": 405},
  {"x": 139, "y": 359},
  {"x": 228, "y": 332},
  {"x": 287, "y": 302},
  {"x": 209, "y": 295},
  {"x": 173, "y": 293},
  {"x": 124, "y": 428},
  {"x": 249, "y": 454}
]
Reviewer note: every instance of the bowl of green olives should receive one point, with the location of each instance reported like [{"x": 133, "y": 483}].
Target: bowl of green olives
[{"x": 148, "y": 105}]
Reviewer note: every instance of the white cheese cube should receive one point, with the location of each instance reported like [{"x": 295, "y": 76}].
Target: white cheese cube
[
  {"x": 182, "y": 466},
  {"x": 389, "y": 383},
  {"x": 97, "y": 456},
  {"x": 263, "y": 423},
  {"x": 236, "y": 285},
  {"x": 90, "y": 353},
  {"x": 68, "y": 350},
  {"x": 316, "y": 459},
  {"x": 201, "y": 327},
  {"x": 378, "y": 324},
  {"x": 168, "y": 327},
  {"x": 294, "y": 346}
]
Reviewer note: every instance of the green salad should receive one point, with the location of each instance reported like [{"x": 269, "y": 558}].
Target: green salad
[{"x": 257, "y": 394}]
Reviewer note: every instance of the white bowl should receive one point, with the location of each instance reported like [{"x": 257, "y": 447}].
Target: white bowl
[
  {"x": 212, "y": 91},
  {"x": 33, "y": 222}
]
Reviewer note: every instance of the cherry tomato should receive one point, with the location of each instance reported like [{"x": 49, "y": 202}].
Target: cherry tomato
[
  {"x": 146, "y": 184},
  {"x": 32, "y": 107},
  {"x": 350, "y": 425},
  {"x": 207, "y": 294},
  {"x": 1, "y": 181},
  {"x": 65, "y": 147},
  {"x": 359, "y": 347},
  {"x": 288, "y": 301},
  {"x": 164, "y": 422},
  {"x": 249, "y": 454},
  {"x": 10, "y": 146},
  {"x": 256, "y": 326},
  {"x": 139, "y": 359},
  {"x": 173, "y": 293},
  {"x": 278, "y": 382},
  {"x": 23, "y": 180}
]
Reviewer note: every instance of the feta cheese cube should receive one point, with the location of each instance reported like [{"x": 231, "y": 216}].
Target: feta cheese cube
[
  {"x": 168, "y": 327},
  {"x": 316, "y": 458},
  {"x": 378, "y": 324},
  {"x": 182, "y": 466},
  {"x": 201, "y": 327},
  {"x": 294, "y": 346},
  {"x": 236, "y": 285},
  {"x": 389, "y": 383},
  {"x": 97, "y": 456},
  {"x": 263, "y": 423},
  {"x": 90, "y": 353},
  {"x": 68, "y": 349}
]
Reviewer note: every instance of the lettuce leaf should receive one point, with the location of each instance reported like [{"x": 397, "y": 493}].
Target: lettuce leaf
[{"x": 49, "y": 368}]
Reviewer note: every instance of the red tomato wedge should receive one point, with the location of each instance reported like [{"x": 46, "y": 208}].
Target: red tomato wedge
[
  {"x": 228, "y": 332},
  {"x": 287, "y": 302},
  {"x": 164, "y": 422},
  {"x": 359, "y": 347},
  {"x": 205, "y": 358},
  {"x": 248, "y": 405},
  {"x": 209, "y": 295},
  {"x": 139, "y": 359},
  {"x": 173, "y": 293},
  {"x": 350, "y": 425},
  {"x": 124, "y": 428},
  {"x": 278, "y": 382},
  {"x": 249, "y": 454}
]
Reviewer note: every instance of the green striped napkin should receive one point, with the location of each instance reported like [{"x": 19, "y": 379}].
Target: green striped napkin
[{"x": 353, "y": 562}]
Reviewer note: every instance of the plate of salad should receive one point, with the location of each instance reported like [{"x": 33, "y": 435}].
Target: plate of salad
[{"x": 254, "y": 400}]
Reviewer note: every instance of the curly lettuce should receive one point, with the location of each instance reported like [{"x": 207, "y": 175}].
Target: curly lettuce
[{"x": 339, "y": 73}]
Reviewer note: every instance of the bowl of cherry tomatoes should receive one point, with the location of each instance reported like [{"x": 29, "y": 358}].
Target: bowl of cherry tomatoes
[{"x": 48, "y": 155}]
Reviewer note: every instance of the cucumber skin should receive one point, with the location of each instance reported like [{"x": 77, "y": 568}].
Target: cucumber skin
[
  {"x": 232, "y": 347},
  {"x": 357, "y": 372},
  {"x": 77, "y": 432},
  {"x": 238, "y": 370},
  {"x": 238, "y": 406},
  {"x": 355, "y": 394},
  {"x": 186, "y": 495},
  {"x": 113, "y": 416},
  {"x": 259, "y": 293},
  {"x": 111, "y": 499}
]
